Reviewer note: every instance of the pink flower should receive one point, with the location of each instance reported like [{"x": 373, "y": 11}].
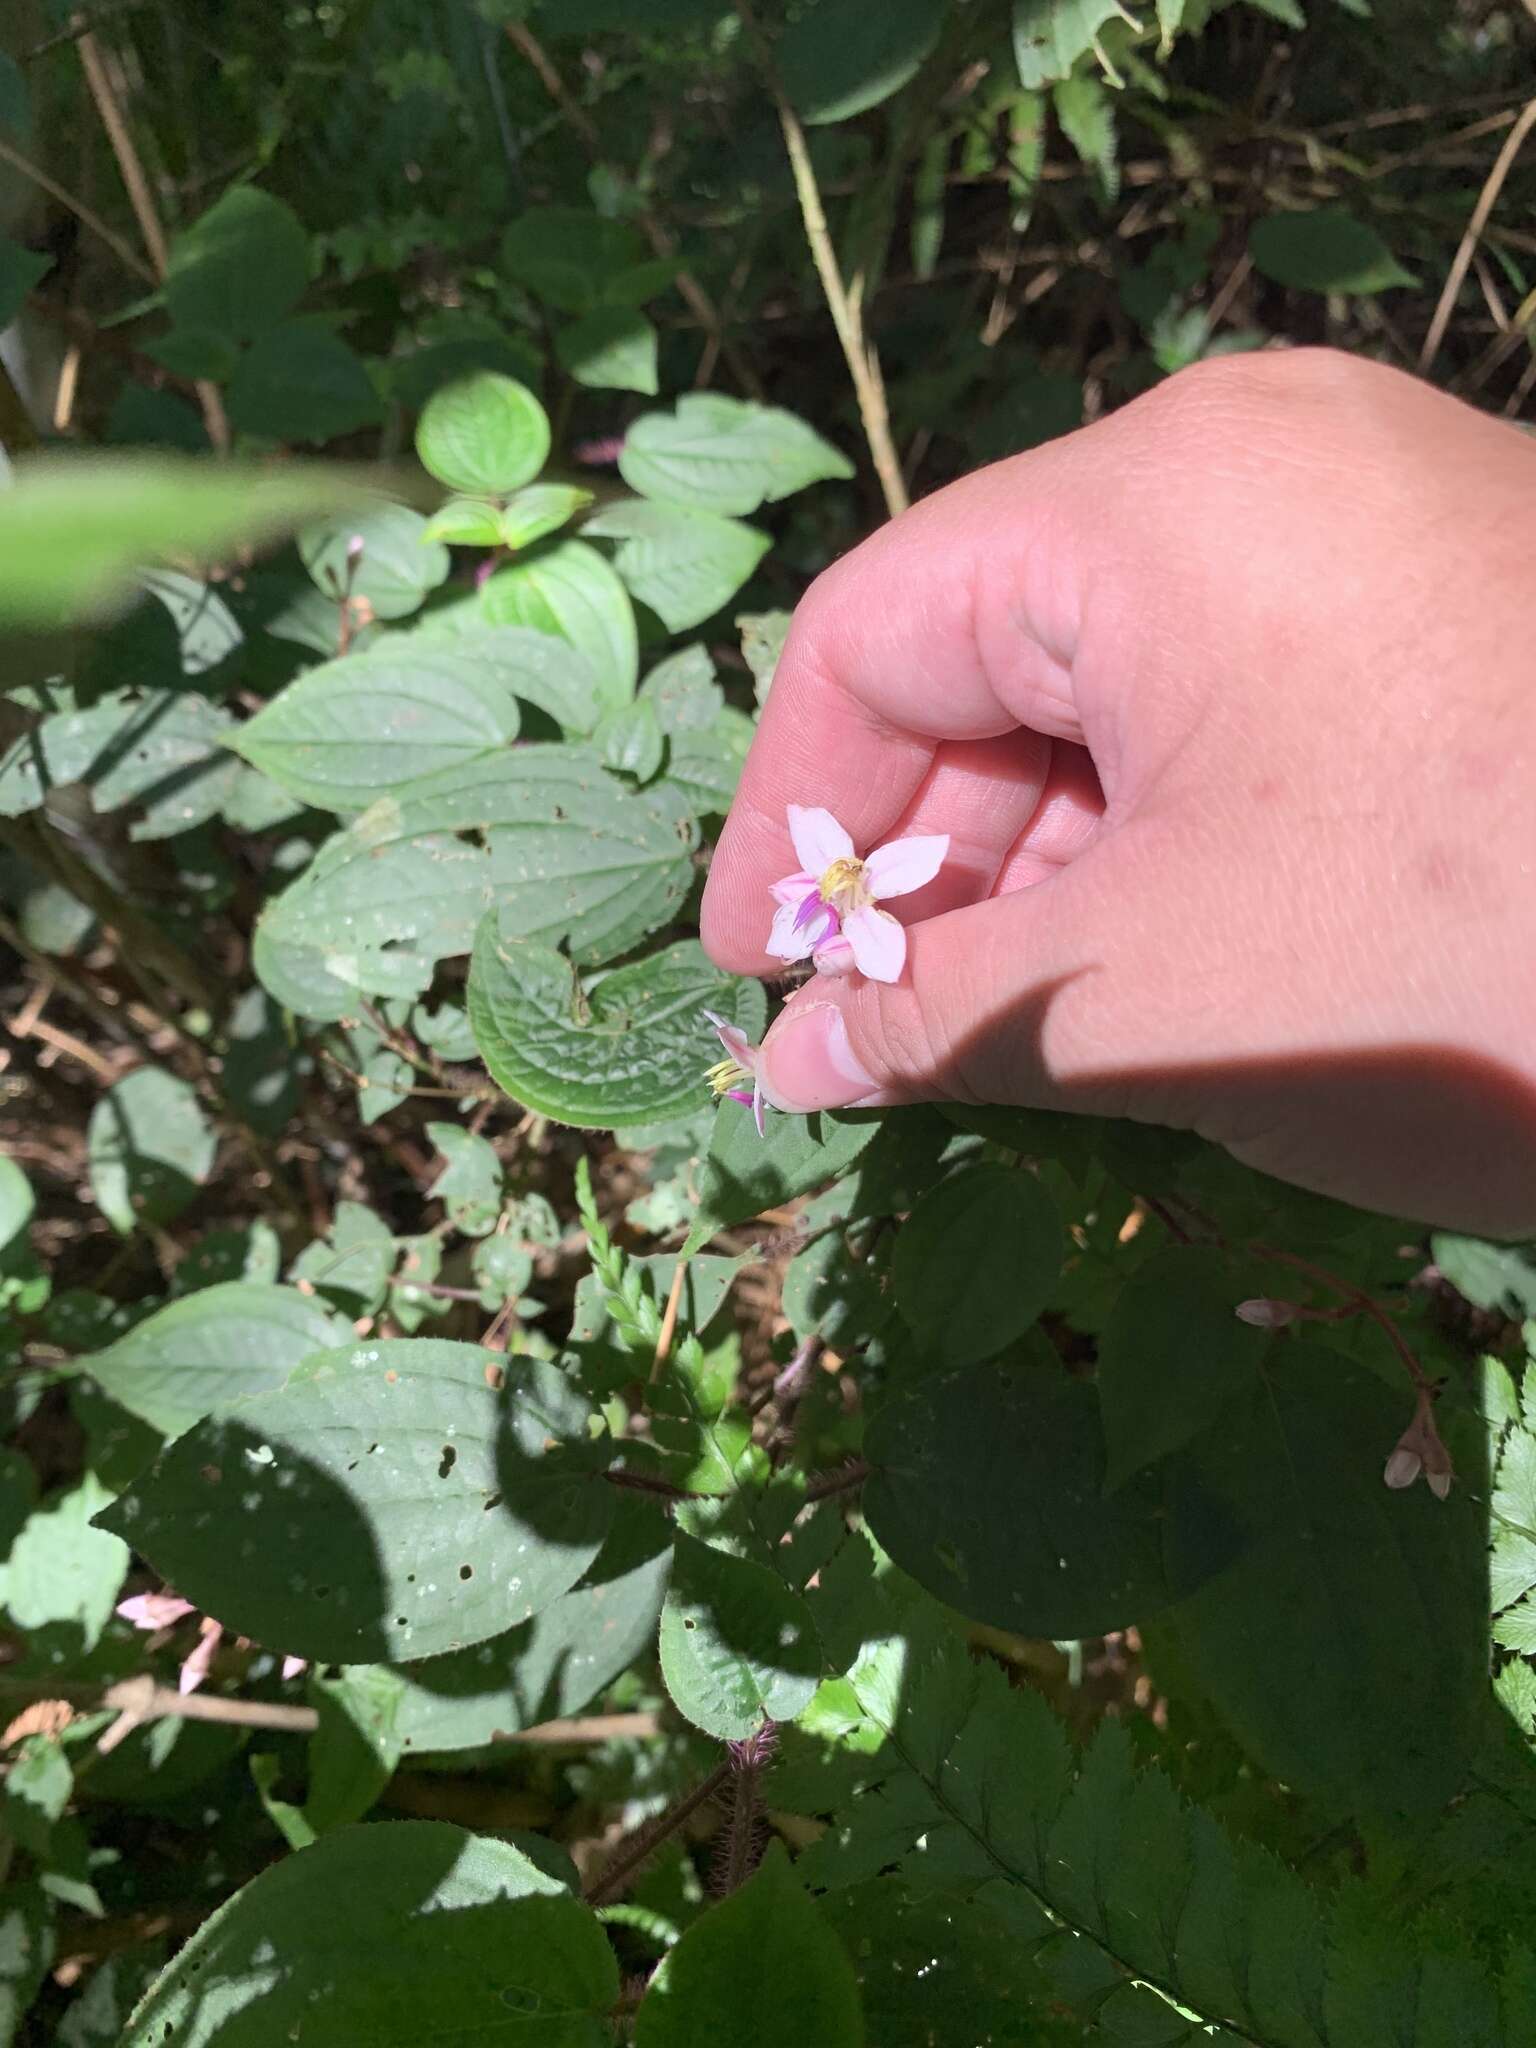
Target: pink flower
[
  {"x": 153, "y": 1610},
  {"x": 827, "y": 910},
  {"x": 736, "y": 1075}
]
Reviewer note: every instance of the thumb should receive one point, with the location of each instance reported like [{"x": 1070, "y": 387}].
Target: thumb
[{"x": 1010, "y": 1000}]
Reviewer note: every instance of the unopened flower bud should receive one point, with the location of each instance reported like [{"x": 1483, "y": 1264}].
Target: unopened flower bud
[
  {"x": 834, "y": 957},
  {"x": 1403, "y": 1467},
  {"x": 1263, "y": 1313},
  {"x": 355, "y": 547}
]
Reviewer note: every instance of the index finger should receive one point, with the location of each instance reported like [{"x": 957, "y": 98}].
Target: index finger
[{"x": 955, "y": 622}]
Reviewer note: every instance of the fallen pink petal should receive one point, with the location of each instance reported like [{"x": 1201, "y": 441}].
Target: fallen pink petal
[{"x": 827, "y": 909}]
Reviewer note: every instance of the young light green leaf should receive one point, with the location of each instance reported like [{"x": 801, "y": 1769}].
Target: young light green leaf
[
  {"x": 760, "y": 1970},
  {"x": 466, "y": 523},
  {"x": 629, "y": 1045},
  {"x": 976, "y": 1262},
  {"x": 628, "y": 741},
  {"x": 441, "y": 1933},
  {"x": 301, "y": 382},
  {"x": 367, "y": 726},
  {"x": 725, "y": 455},
  {"x": 357, "y": 1745},
  {"x": 737, "y": 1647},
  {"x": 470, "y": 1186},
  {"x": 684, "y": 563},
  {"x": 1087, "y": 116},
  {"x": 541, "y": 509},
  {"x": 612, "y": 348},
  {"x": 1326, "y": 250},
  {"x": 239, "y": 267},
  {"x": 350, "y": 1267},
  {"x": 164, "y": 750},
  {"x": 842, "y": 57},
  {"x": 210, "y": 1348},
  {"x": 1049, "y": 36},
  {"x": 1500, "y": 1277},
  {"x": 63, "y": 1570},
  {"x": 395, "y": 1499},
  {"x": 150, "y": 1149},
  {"x": 1172, "y": 1355},
  {"x": 485, "y": 435},
  {"x": 561, "y": 846},
  {"x": 744, "y": 1174},
  {"x": 38, "y": 1787},
  {"x": 568, "y": 589},
  {"x": 384, "y": 555},
  {"x": 73, "y": 532}
]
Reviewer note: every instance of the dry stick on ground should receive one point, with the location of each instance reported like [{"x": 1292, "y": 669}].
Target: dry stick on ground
[
  {"x": 847, "y": 317},
  {"x": 1462, "y": 260},
  {"x": 700, "y": 304},
  {"x": 142, "y": 201}
]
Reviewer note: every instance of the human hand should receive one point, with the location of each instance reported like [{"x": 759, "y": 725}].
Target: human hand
[{"x": 1228, "y": 706}]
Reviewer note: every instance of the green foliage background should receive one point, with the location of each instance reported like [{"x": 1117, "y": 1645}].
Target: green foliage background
[{"x": 633, "y": 1580}]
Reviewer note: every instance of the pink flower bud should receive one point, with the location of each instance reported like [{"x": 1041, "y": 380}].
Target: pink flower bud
[
  {"x": 834, "y": 957},
  {"x": 1403, "y": 1467},
  {"x": 1265, "y": 1314}
]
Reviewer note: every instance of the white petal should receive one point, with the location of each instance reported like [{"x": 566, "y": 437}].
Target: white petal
[
  {"x": 1403, "y": 1467},
  {"x": 819, "y": 839},
  {"x": 733, "y": 1040},
  {"x": 905, "y": 864},
  {"x": 792, "y": 889},
  {"x": 879, "y": 944},
  {"x": 757, "y": 1109},
  {"x": 784, "y": 942}
]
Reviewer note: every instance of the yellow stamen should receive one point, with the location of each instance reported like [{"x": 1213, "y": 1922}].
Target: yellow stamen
[
  {"x": 844, "y": 887},
  {"x": 727, "y": 1074}
]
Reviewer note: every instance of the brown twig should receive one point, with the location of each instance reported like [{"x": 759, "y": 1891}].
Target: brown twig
[
  {"x": 1492, "y": 185},
  {"x": 123, "y": 251},
  {"x": 639, "y": 1847},
  {"x": 141, "y": 199},
  {"x": 669, "y": 1317},
  {"x": 1363, "y": 1302},
  {"x": 825, "y": 1484}
]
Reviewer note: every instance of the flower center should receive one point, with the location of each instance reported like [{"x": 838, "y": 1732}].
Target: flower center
[
  {"x": 725, "y": 1077},
  {"x": 843, "y": 886}
]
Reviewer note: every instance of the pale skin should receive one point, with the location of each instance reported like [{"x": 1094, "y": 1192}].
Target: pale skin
[{"x": 1228, "y": 705}]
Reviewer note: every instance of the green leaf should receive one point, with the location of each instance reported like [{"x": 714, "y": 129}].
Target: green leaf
[
  {"x": 568, "y": 589},
  {"x": 685, "y": 564},
  {"x": 393, "y": 1934},
  {"x": 196, "y": 352},
  {"x": 1499, "y": 1277},
  {"x": 1377, "y": 1596},
  {"x": 20, "y": 269},
  {"x": 301, "y": 382},
  {"x": 239, "y": 267},
  {"x": 725, "y": 455},
  {"x": 485, "y": 435},
  {"x": 555, "y": 1664},
  {"x": 541, "y": 509},
  {"x": 150, "y": 1149},
  {"x": 976, "y": 1262},
  {"x": 1327, "y": 250},
  {"x": 1171, "y": 1356},
  {"x": 567, "y": 256},
  {"x": 562, "y": 847},
  {"x": 403, "y": 1496},
  {"x": 629, "y": 742},
  {"x": 17, "y": 1204},
  {"x": 1087, "y": 116},
  {"x": 466, "y": 523},
  {"x": 350, "y": 1268},
  {"x": 210, "y": 1348},
  {"x": 842, "y": 57},
  {"x": 38, "y": 1787},
  {"x": 744, "y": 1174},
  {"x": 357, "y": 1745},
  {"x": 932, "y": 1968},
  {"x": 63, "y": 1571},
  {"x": 762, "y": 642},
  {"x": 760, "y": 1970},
  {"x": 384, "y": 555},
  {"x": 619, "y": 1047},
  {"x": 737, "y": 1647},
  {"x": 369, "y": 725},
  {"x": 612, "y": 348},
  {"x": 74, "y": 530},
  {"x": 26, "y": 1950},
  {"x": 164, "y": 750},
  {"x": 542, "y": 670},
  {"x": 470, "y": 1186},
  {"x": 988, "y": 1487},
  {"x": 1049, "y": 36}
]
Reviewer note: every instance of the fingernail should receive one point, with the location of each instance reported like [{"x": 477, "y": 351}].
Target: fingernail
[{"x": 807, "y": 1062}]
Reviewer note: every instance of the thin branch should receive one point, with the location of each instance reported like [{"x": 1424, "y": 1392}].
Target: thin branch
[
  {"x": 639, "y": 1847},
  {"x": 1363, "y": 1302},
  {"x": 826, "y": 1484},
  {"x": 125, "y": 254},
  {"x": 1461, "y": 262},
  {"x": 142, "y": 201},
  {"x": 669, "y": 1317}
]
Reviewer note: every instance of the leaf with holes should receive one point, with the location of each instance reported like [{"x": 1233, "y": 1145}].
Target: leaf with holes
[
  {"x": 443, "y": 1935},
  {"x": 351, "y": 731},
  {"x": 395, "y": 1499},
  {"x": 684, "y": 563},
  {"x": 566, "y": 588},
  {"x": 725, "y": 455},
  {"x": 210, "y": 1348},
  {"x": 737, "y": 1647},
  {"x": 620, "y": 1047},
  {"x": 545, "y": 832},
  {"x": 485, "y": 435}
]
